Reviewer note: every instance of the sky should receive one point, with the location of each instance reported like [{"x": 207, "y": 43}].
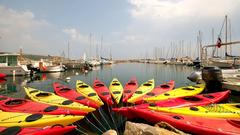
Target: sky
[{"x": 125, "y": 29}]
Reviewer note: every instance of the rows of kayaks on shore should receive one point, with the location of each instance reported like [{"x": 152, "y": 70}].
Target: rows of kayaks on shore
[
  {"x": 199, "y": 114},
  {"x": 184, "y": 108},
  {"x": 46, "y": 110}
]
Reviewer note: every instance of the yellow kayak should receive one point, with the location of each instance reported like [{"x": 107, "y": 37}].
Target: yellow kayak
[
  {"x": 53, "y": 99},
  {"x": 142, "y": 90},
  {"x": 8, "y": 119},
  {"x": 88, "y": 92},
  {"x": 231, "y": 110},
  {"x": 116, "y": 90},
  {"x": 179, "y": 92}
]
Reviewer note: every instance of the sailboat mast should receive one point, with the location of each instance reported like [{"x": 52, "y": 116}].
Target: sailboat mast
[
  {"x": 230, "y": 36},
  {"x": 110, "y": 53},
  {"x": 101, "y": 46},
  {"x": 200, "y": 44},
  {"x": 97, "y": 55},
  {"x": 226, "y": 34},
  {"x": 68, "y": 49},
  {"x": 90, "y": 46}
]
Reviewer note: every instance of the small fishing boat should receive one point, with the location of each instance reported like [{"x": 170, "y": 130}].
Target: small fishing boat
[{"x": 2, "y": 76}]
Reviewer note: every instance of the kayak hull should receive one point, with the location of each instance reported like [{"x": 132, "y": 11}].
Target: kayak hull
[
  {"x": 129, "y": 89},
  {"x": 229, "y": 110},
  {"x": 116, "y": 90},
  {"x": 203, "y": 99},
  {"x": 8, "y": 119},
  {"x": 27, "y": 106},
  {"x": 102, "y": 91},
  {"x": 53, "y": 99},
  {"x": 195, "y": 125},
  {"x": 58, "y": 130},
  {"x": 179, "y": 92},
  {"x": 142, "y": 90},
  {"x": 88, "y": 91},
  {"x": 71, "y": 94},
  {"x": 157, "y": 91}
]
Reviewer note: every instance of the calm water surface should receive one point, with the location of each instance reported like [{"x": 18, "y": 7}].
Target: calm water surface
[
  {"x": 13, "y": 86},
  {"x": 103, "y": 118}
]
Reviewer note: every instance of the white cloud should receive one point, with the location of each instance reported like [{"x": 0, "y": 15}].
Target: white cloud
[
  {"x": 18, "y": 28},
  {"x": 76, "y": 36},
  {"x": 163, "y": 9},
  {"x": 157, "y": 23},
  {"x": 168, "y": 20}
]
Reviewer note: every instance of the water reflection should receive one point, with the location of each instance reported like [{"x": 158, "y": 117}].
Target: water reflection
[{"x": 161, "y": 73}]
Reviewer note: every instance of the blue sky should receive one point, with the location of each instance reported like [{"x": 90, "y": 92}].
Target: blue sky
[{"x": 131, "y": 28}]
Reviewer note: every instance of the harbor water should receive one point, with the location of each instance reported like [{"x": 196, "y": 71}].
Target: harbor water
[
  {"x": 13, "y": 86},
  {"x": 103, "y": 118}
]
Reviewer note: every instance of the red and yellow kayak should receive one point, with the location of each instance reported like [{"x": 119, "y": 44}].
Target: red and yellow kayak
[
  {"x": 178, "y": 92},
  {"x": 53, "y": 99},
  {"x": 142, "y": 90},
  {"x": 157, "y": 91},
  {"x": 116, "y": 90},
  {"x": 27, "y": 106},
  {"x": 71, "y": 94},
  {"x": 191, "y": 124},
  {"x": 198, "y": 100},
  {"x": 102, "y": 91},
  {"x": 56, "y": 130},
  {"x": 9, "y": 119},
  {"x": 88, "y": 91},
  {"x": 129, "y": 89}
]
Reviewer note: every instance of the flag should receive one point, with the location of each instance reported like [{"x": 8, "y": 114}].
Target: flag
[{"x": 219, "y": 42}]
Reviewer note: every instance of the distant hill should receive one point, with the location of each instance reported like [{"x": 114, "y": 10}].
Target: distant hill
[{"x": 35, "y": 57}]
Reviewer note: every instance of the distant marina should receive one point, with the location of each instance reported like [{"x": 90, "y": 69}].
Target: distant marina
[{"x": 174, "y": 76}]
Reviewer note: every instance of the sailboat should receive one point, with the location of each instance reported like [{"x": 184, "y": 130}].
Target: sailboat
[{"x": 228, "y": 62}]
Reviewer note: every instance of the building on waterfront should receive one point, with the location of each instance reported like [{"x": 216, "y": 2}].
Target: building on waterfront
[{"x": 9, "y": 65}]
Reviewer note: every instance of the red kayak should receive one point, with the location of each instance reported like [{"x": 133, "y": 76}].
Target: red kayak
[
  {"x": 55, "y": 130},
  {"x": 198, "y": 100},
  {"x": 27, "y": 106},
  {"x": 191, "y": 124},
  {"x": 102, "y": 91},
  {"x": 71, "y": 94},
  {"x": 157, "y": 91},
  {"x": 129, "y": 89},
  {"x": 2, "y": 81},
  {"x": 2, "y": 76}
]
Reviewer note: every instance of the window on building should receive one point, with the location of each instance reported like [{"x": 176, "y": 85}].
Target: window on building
[
  {"x": 12, "y": 60},
  {"x": 2, "y": 59}
]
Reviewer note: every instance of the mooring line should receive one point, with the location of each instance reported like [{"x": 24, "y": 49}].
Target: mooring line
[
  {"x": 114, "y": 123},
  {"x": 81, "y": 131},
  {"x": 78, "y": 126},
  {"x": 100, "y": 112},
  {"x": 98, "y": 121},
  {"x": 94, "y": 125},
  {"x": 121, "y": 118}
]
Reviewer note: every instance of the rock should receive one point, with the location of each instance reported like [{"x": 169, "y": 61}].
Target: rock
[
  {"x": 144, "y": 129},
  {"x": 169, "y": 128},
  {"x": 110, "y": 132}
]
